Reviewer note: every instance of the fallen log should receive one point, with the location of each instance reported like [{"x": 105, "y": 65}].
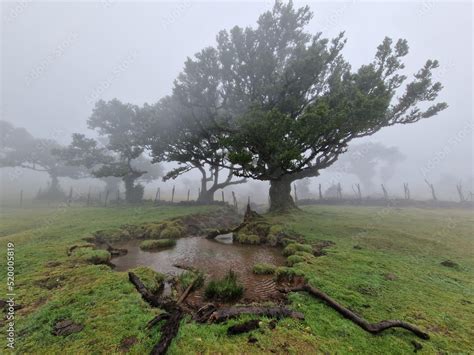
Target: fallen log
[
  {"x": 221, "y": 315},
  {"x": 202, "y": 315},
  {"x": 244, "y": 327},
  {"x": 373, "y": 328},
  {"x": 149, "y": 297},
  {"x": 168, "y": 331},
  {"x": 157, "y": 319}
]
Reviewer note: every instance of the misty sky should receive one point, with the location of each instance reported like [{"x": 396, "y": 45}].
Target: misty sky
[{"x": 59, "y": 58}]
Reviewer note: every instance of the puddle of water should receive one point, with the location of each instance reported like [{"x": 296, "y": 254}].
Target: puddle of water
[{"x": 214, "y": 258}]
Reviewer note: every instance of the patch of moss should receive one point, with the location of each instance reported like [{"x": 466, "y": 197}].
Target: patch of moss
[
  {"x": 292, "y": 248},
  {"x": 151, "y": 244},
  {"x": 260, "y": 228},
  {"x": 171, "y": 232},
  {"x": 247, "y": 238},
  {"x": 112, "y": 234},
  {"x": 92, "y": 256},
  {"x": 263, "y": 269},
  {"x": 225, "y": 289},
  {"x": 284, "y": 273},
  {"x": 153, "y": 230},
  {"x": 152, "y": 280},
  {"x": 294, "y": 259}
]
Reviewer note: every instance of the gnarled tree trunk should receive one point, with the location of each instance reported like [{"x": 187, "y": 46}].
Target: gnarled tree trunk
[{"x": 280, "y": 195}]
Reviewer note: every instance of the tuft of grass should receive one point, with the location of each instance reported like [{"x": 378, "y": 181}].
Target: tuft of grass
[
  {"x": 243, "y": 238},
  {"x": 92, "y": 256},
  {"x": 263, "y": 269},
  {"x": 294, "y": 259},
  {"x": 152, "y": 280},
  {"x": 171, "y": 232},
  {"x": 187, "y": 277},
  {"x": 153, "y": 244},
  {"x": 292, "y": 248},
  {"x": 226, "y": 289},
  {"x": 284, "y": 273},
  {"x": 112, "y": 234}
]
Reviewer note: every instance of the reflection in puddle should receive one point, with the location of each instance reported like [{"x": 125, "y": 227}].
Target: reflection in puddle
[{"x": 214, "y": 258}]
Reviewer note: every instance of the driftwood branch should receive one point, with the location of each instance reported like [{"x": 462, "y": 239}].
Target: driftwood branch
[
  {"x": 157, "y": 319},
  {"x": 187, "y": 291},
  {"x": 168, "y": 331},
  {"x": 373, "y": 328},
  {"x": 149, "y": 297}
]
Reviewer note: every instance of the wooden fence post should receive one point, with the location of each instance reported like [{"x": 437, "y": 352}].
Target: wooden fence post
[{"x": 106, "y": 198}]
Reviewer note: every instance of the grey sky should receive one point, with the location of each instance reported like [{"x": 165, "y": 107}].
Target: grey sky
[{"x": 58, "y": 58}]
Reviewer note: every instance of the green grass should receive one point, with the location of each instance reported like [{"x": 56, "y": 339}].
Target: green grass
[
  {"x": 263, "y": 269},
  {"x": 408, "y": 243},
  {"x": 226, "y": 289}
]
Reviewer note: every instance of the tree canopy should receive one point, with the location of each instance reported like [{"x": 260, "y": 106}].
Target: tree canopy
[{"x": 280, "y": 104}]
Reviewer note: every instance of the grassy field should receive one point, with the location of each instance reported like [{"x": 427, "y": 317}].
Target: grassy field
[{"x": 393, "y": 273}]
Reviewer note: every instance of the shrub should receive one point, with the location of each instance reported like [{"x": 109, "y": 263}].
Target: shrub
[
  {"x": 283, "y": 273},
  {"x": 292, "y": 248},
  {"x": 225, "y": 289},
  {"x": 187, "y": 277},
  {"x": 152, "y": 280},
  {"x": 151, "y": 244},
  {"x": 93, "y": 256},
  {"x": 263, "y": 269},
  {"x": 247, "y": 238}
]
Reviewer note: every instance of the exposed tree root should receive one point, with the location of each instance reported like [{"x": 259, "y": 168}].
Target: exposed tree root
[
  {"x": 168, "y": 331},
  {"x": 149, "y": 297},
  {"x": 157, "y": 319},
  {"x": 373, "y": 328},
  {"x": 221, "y": 315}
]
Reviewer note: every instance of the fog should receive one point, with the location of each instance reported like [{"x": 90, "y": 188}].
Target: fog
[{"x": 58, "y": 59}]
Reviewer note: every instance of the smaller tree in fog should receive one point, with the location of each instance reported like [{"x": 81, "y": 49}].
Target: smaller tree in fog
[
  {"x": 122, "y": 154},
  {"x": 19, "y": 149}
]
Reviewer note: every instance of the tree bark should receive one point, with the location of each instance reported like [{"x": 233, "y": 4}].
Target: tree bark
[
  {"x": 373, "y": 328},
  {"x": 280, "y": 196},
  {"x": 225, "y": 314}
]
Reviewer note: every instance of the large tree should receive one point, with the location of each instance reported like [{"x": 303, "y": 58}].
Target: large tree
[
  {"x": 19, "y": 149},
  {"x": 172, "y": 133},
  {"x": 286, "y": 103}
]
